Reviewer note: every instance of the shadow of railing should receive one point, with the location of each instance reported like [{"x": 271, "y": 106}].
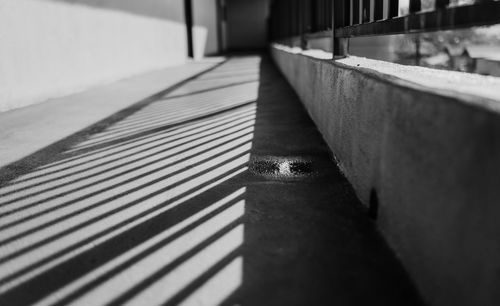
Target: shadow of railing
[
  {"x": 151, "y": 198},
  {"x": 158, "y": 206}
]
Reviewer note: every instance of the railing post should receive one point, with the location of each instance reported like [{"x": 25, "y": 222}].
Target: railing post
[
  {"x": 304, "y": 9},
  {"x": 393, "y": 8},
  {"x": 366, "y": 11},
  {"x": 378, "y": 10},
  {"x": 347, "y": 13},
  {"x": 340, "y": 45},
  {"x": 415, "y": 6},
  {"x": 355, "y": 11}
]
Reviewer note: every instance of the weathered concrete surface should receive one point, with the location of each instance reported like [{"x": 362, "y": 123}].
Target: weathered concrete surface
[
  {"x": 172, "y": 204},
  {"x": 429, "y": 154}
]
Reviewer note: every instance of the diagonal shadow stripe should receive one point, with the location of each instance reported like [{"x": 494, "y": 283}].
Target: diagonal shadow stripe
[
  {"x": 107, "y": 214},
  {"x": 54, "y": 209},
  {"x": 92, "y": 259},
  {"x": 137, "y": 258},
  {"x": 105, "y": 201},
  {"x": 46, "y": 155},
  {"x": 123, "y": 224},
  {"x": 68, "y": 183},
  {"x": 219, "y": 111},
  {"x": 147, "y": 115},
  {"x": 129, "y": 141},
  {"x": 170, "y": 267},
  {"x": 178, "y": 298}
]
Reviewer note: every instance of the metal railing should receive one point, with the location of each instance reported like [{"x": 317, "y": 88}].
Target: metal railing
[{"x": 343, "y": 19}]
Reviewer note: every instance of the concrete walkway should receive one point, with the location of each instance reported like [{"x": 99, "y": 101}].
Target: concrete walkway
[
  {"x": 220, "y": 191},
  {"x": 28, "y": 130}
]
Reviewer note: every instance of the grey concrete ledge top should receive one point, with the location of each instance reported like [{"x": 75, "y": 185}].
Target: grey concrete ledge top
[
  {"x": 26, "y": 130},
  {"x": 475, "y": 89}
]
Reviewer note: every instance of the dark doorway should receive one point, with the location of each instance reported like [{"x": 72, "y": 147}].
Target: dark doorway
[{"x": 246, "y": 24}]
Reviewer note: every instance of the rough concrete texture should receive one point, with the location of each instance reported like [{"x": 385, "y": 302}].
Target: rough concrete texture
[
  {"x": 428, "y": 160},
  {"x": 170, "y": 205}
]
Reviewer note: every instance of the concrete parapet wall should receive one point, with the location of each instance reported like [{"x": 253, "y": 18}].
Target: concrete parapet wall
[{"x": 431, "y": 159}]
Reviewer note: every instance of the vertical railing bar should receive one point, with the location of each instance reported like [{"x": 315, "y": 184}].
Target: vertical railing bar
[
  {"x": 320, "y": 15},
  {"x": 294, "y": 17},
  {"x": 366, "y": 11},
  {"x": 339, "y": 47},
  {"x": 334, "y": 38},
  {"x": 297, "y": 18},
  {"x": 313, "y": 16},
  {"x": 290, "y": 19},
  {"x": 347, "y": 13},
  {"x": 415, "y": 6},
  {"x": 393, "y": 8},
  {"x": 305, "y": 26},
  {"x": 323, "y": 14},
  {"x": 379, "y": 10},
  {"x": 355, "y": 11},
  {"x": 329, "y": 10}
]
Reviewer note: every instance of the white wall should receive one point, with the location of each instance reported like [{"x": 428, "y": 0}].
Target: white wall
[
  {"x": 205, "y": 36},
  {"x": 51, "y": 48}
]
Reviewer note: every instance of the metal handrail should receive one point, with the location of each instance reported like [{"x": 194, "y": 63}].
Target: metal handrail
[{"x": 354, "y": 18}]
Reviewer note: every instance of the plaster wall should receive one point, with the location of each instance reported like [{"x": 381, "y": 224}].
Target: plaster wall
[
  {"x": 432, "y": 159},
  {"x": 51, "y": 48}
]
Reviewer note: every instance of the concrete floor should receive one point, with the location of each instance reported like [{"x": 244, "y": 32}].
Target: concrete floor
[{"x": 220, "y": 191}]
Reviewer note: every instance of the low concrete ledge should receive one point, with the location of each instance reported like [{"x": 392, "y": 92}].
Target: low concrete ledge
[{"x": 422, "y": 150}]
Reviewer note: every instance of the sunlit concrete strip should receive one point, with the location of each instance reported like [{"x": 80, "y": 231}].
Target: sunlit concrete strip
[
  {"x": 180, "y": 116},
  {"x": 197, "y": 235},
  {"x": 32, "y": 266},
  {"x": 67, "y": 115},
  {"x": 49, "y": 211},
  {"x": 94, "y": 155},
  {"x": 103, "y": 169},
  {"x": 86, "y": 162},
  {"x": 113, "y": 179},
  {"x": 165, "y": 288},
  {"x": 170, "y": 186},
  {"x": 160, "y": 115},
  {"x": 155, "y": 148},
  {"x": 191, "y": 107},
  {"x": 219, "y": 287}
]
